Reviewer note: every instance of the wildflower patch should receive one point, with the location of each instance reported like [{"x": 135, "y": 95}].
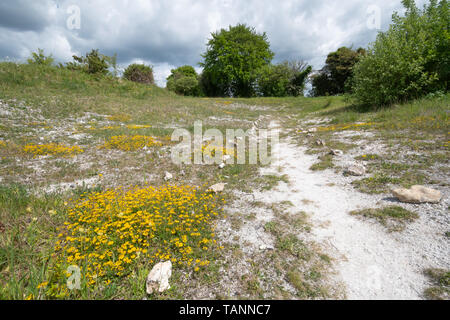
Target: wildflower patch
[
  {"x": 211, "y": 150},
  {"x": 52, "y": 149},
  {"x": 130, "y": 143},
  {"x": 138, "y": 126},
  {"x": 342, "y": 127},
  {"x": 110, "y": 234},
  {"x": 119, "y": 118}
]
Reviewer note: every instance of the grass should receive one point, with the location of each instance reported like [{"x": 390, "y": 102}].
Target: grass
[
  {"x": 326, "y": 162},
  {"x": 440, "y": 289},
  {"x": 269, "y": 182},
  {"x": 393, "y": 218}
]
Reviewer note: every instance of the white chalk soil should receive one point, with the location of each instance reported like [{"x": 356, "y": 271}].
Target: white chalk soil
[{"x": 370, "y": 262}]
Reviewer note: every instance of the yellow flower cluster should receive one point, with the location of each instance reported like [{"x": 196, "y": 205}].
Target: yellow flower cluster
[
  {"x": 105, "y": 128},
  {"x": 130, "y": 143},
  {"x": 138, "y": 126},
  {"x": 119, "y": 118},
  {"x": 2, "y": 144},
  {"x": 211, "y": 150},
  {"x": 52, "y": 149},
  {"x": 345, "y": 126},
  {"x": 109, "y": 233}
]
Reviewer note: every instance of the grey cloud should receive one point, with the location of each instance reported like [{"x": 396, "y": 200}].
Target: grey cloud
[{"x": 23, "y": 15}]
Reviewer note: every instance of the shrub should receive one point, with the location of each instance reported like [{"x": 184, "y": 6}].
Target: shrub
[
  {"x": 273, "y": 80},
  {"x": 184, "y": 81},
  {"x": 409, "y": 60},
  {"x": 284, "y": 79},
  {"x": 41, "y": 59},
  {"x": 93, "y": 63},
  {"x": 139, "y": 73}
]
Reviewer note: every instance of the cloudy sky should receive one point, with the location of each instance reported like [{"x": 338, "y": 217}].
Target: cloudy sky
[{"x": 171, "y": 33}]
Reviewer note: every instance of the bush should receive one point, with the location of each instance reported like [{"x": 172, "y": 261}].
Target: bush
[
  {"x": 284, "y": 79},
  {"x": 184, "y": 81},
  {"x": 139, "y": 73},
  {"x": 40, "y": 58},
  {"x": 273, "y": 80},
  {"x": 409, "y": 60},
  {"x": 93, "y": 63}
]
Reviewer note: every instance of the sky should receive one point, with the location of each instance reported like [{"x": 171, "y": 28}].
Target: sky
[{"x": 168, "y": 34}]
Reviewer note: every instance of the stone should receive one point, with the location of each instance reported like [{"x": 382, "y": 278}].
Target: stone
[
  {"x": 312, "y": 130},
  {"x": 356, "y": 170},
  {"x": 217, "y": 187},
  {"x": 265, "y": 247},
  {"x": 168, "y": 176},
  {"x": 320, "y": 142},
  {"x": 336, "y": 152},
  {"x": 417, "y": 194},
  {"x": 222, "y": 165},
  {"x": 158, "y": 278}
]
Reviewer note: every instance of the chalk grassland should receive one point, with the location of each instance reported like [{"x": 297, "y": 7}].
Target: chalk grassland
[{"x": 82, "y": 164}]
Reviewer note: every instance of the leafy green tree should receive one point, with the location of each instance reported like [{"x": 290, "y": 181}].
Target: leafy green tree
[
  {"x": 233, "y": 59},
  {"x": 139, "y": 73},
  {"x": 284, "y": 79},
  {"x": 338, "y": 70},
  {"x": 409, "y": 60},
  {"x": 41, "y": 59},
  {"x": 184, "y": 81}
]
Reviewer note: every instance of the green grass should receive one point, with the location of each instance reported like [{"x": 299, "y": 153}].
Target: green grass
[
  {"x": 269, "y": 182},
  {"x": 326, "y": 162},
  {"x": 27, "y": 241},
  {"x": 393, "y": 217},
  {"x": 440, "y": 289}
]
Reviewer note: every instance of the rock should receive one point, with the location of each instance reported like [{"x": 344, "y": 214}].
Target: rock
[
  {"x": 320, "y": 142},
  {"x": 183, "y": 173},
  {"x": 356, "y": 170},
  {"x": 222, "y": 165},
  {"x": 265, "y": 247},
  {"x": 417, "y": 194},
  {"x": 217, "y": 187},
  {"x": 312, "y": 130},
  {"x": 158, "y": 278},
  {"x": 168, "y": 176},
  {"x": 336, "y": 152}
]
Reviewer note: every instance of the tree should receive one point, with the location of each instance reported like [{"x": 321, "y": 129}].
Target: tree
[
  {"x": 409, "y": 60},
  {"x": 184, "y": 81},
  {"x": 338, "y": 70},
  {"x": 40, "y": 58},
  {"x": 233, "y": 59},
  {"x": 284, "y": 79},
  {"x": 139, "y": 73}
]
